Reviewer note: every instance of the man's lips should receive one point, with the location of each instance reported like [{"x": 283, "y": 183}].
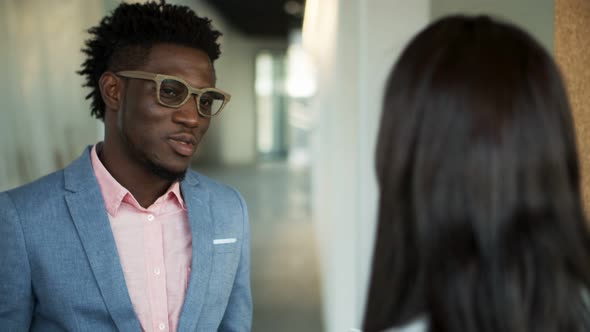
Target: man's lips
[{"x": 183, "y": 144}]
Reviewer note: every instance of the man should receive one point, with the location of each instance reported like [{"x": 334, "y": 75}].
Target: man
[{"x": 126, "y": 238}]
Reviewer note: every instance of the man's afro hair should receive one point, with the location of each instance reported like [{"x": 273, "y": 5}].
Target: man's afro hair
[{"x": 123, "y": 39}]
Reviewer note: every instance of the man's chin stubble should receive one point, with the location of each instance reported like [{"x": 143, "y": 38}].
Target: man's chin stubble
[
  {"x": 164, "y": 173},
  {"x": 158, "y": 170}
]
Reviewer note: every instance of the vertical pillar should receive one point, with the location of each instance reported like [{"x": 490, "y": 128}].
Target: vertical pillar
[{"x": 572, "y": 53}]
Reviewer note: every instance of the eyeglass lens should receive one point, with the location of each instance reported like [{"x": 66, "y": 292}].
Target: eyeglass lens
[
  {"x": 173, "y": 93},
  {"x": 210, "y": 102}
]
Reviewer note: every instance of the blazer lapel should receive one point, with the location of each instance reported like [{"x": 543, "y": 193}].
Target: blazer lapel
[
  {"x": 201, "y": 224},
  {"x": 87, "y": 209}
]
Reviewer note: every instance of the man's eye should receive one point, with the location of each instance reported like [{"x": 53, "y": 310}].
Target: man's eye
[
  {"x": 206, "y": 102},
  {"x": 169, "y": 92}
]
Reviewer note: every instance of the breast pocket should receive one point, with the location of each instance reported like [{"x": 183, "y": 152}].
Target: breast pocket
[
  {"x": 225, "y": 244},
  {"x": 225, "y": 264}
]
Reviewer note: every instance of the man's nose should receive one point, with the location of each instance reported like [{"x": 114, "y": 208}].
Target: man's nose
[{"x": 188, "y": 114}]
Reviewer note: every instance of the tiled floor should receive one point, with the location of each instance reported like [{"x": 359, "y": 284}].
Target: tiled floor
[{"x": 285, "y": 279}]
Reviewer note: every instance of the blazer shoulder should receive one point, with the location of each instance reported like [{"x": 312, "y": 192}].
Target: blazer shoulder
[
  {"x": 53, "y": 186},
  {"x": 221, "y": 195},
  {"x": 38, "y": 190},
  {"x": 214, "y": 187}
]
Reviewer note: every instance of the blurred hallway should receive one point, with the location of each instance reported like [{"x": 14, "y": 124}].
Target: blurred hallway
[{"x": 285, "y": 277}]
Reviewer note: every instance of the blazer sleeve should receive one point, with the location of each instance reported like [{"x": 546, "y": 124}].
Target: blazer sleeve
[
  {"x": 238, "y": 314},
  {"x": 16, "y": 295}
]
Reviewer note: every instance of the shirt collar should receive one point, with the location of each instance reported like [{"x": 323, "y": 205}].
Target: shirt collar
[{"x": 114, "y": 193}]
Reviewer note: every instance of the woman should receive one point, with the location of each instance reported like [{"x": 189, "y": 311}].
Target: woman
[{"x": 480, "y": 220}]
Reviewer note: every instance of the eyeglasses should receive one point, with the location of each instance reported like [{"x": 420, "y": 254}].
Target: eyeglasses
[{"x": 175, "y": 92}]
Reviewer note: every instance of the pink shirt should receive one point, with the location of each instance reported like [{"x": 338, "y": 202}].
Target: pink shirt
[{"x": 154, "y": 247}]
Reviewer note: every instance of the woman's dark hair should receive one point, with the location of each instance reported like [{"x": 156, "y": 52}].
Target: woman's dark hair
[
  {"x": 480, "y": 224},
  {"x": 123, "y": 39}
]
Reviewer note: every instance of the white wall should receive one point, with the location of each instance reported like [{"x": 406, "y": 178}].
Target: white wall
[{"x": 354, "y": 44}]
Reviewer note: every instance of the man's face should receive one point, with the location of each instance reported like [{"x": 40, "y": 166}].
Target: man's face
[{"x": 161, "y": 138}]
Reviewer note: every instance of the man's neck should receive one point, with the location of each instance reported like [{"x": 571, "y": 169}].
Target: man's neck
[{"x": 145, "y": 186}]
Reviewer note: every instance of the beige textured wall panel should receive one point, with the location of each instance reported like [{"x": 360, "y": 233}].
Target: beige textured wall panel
[{"x": 572, "y": 53}]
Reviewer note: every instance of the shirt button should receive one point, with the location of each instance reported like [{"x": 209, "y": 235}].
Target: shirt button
[
  {"x": 162, "y": 326},
  {"x": 157, "y": 271},
  {"x": 150, "y": 217}
]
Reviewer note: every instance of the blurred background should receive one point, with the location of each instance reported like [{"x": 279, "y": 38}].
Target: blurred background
[{"x": 298, "y": 137}]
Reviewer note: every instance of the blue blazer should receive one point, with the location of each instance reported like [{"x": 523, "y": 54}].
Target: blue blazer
[{"x": 60, "y": 271}]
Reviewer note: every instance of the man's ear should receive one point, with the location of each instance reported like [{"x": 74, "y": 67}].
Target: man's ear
[{"x": 111, "y": 90}]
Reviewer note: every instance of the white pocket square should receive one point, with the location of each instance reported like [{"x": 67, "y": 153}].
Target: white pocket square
[{"x": 224, "y": 241}]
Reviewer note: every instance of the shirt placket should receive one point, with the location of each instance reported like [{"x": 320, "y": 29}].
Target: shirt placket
[{"x": 156, "y": 273}]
